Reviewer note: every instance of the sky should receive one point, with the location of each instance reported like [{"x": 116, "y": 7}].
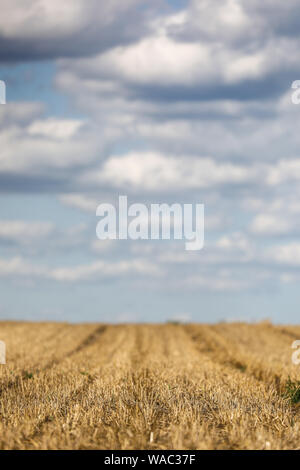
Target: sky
[{"x": 164, "y": 102}]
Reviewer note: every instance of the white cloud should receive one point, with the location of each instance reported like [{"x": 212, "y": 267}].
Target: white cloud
[
  {"x": 40, "y": 18},
  {"x": 80, "y": 201},
  {"x": 216, "y": 283},
  {"x": 211, "y": 19},
  {"x": 158, "y": 172},
  {"x": 25, "y": 232},
  {"x": 43, "y": 145},
  {"x": 18, "y": 267},
  {"x": 171, "y": 62},
  {"x": 55, "y": 128},
  {"x": 20, "y": 112},
  {"x": 103, "y": 246},
  {"x": 33, "y": 238},
  {"x": 234, "y": 249},
  {"x": 271, "y": 224},
  {"x": 206, "y": 45},
  {"x": 39, "y": 28},
  {"x": 287, "y": 204},
  {"x": 288, "y": 254},
  {"x": 106, "y": 270},
  {"x": 284, "y": 171},
  {"x": 234, "y": 242}
]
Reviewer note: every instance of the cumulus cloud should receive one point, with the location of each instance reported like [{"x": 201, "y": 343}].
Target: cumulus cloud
[
  {"x": 20, "y": 113},
  {"x": 275, "y": 216},
  {"x": 158, "y": 172},
  {"x": 270, "y": 224},
  {"x": 80, "y": 201},
  {"x": 230, "y": 249},
  {"x": 26, "y": 154},
  {"x": 207, "y": 51},
  {"x": 284, "y": 171},
  {"x": 22, "y": 232},
  {"x": 215, "y": 283},
  {"x": 106, "y": 270},
  {"x": 55, "y": 128},
  {"x": 38, "y": 29},
  {"x": 19, "y": 267},
  {"x": 33, "y": 238},
  {"x": 38, "y": 151},
  {"x": 286, "y": 254}
]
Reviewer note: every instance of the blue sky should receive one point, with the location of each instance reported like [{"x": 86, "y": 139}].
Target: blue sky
[{"x": 163, "y": 101}]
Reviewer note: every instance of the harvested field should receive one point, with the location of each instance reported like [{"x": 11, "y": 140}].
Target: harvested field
[{"x": 165, "y": 386}]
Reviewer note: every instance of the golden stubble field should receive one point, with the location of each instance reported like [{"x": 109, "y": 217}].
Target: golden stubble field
[{"x": 168, "y": 386}]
